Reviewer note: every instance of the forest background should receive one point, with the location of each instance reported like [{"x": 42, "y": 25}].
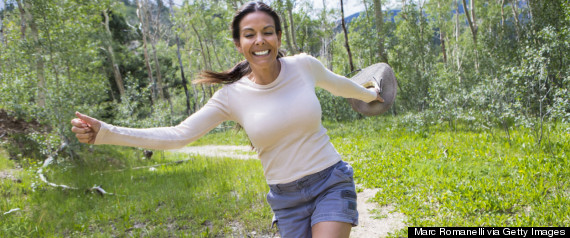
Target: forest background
[
  {"x": 131, "y": 63},
  {"x": 478, "y": 66}
]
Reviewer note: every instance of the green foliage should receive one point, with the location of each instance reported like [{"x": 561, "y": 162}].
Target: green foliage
[
  {"x": 335, "y": 108},
  {"x": 412, "y": 59},
  {"x": 63, "y": 40},
  {"x": 518, "y": 82}
]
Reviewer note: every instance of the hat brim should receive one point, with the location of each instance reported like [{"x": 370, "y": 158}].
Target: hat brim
[{"x": 382, "y": 75}]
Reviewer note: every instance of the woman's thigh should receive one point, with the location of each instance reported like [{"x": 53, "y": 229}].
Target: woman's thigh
[{"x": 331, "y": 229}]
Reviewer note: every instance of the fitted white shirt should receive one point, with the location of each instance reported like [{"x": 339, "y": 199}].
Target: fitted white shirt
[{"x": 282, "y": 119}]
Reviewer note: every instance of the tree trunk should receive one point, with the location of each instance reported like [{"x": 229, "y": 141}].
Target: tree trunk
[
  {"x": 364, "y": 2},
  {"x": 292, "y": 20},
  {"x": 503, "y": 14},
  {"x": 159, "y": 84},
  {"x": 39, "y": 59},
  {"x": 197, "y": 104},
  {"x": 184, "y": 81},
  {"x": 2, "y": 40},
  {"x": 155, "y": 37},
  {"x": 207, "y": 64},
  {"x": 216, "y": 54},
  {"x": 457, "y": 23},
  {"x": 114, "y": 65},
  {"x": 346, "y": 44},
  {"x": 471, "y": 19},
  {"x": 457, "y": 48},
  {"x": 57, "y": 99},
  {"x": 326, "y": 44},
  {"x": 210, "y": 87},
  {"x": 379, "y": 26},
  {"x": 516, "y": 17},
  {"x": 22, "y": 18},
  {"x": 202, "y": 51},
  {"x": 421, "y": 37},
  {"x": 373, "y": 55},
  {"x": 202, "y": 99},
  {"x": 442, "y": 37},
  {"x": 443, "y": 51},
  {"x": 288, "y": 35},
  {"x": 141, "y": 15},
  {"x": 207, "y": 53}
]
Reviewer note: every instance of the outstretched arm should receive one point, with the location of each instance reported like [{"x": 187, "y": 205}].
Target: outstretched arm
[
  {"x": 93, "y": 131},
  {"x": 339, "y": 85}
]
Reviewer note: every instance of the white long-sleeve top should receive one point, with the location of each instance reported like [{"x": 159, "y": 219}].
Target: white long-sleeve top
[{"x": 282, "y": 119}]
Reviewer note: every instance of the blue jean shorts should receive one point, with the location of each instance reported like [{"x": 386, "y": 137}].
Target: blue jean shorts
[{"x": 328, "y": 195}]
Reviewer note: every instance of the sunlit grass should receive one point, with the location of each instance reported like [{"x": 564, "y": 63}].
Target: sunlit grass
[
  {"x": 200, "y": 197},
  {"x": 445, "y": 177},
  {"x": 5, "y": 163}
]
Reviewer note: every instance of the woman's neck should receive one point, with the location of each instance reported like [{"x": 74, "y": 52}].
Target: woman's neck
[{"x": 265, "y": 75}]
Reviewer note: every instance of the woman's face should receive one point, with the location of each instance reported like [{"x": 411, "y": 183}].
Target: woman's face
[{"x": 258, "y": 40}]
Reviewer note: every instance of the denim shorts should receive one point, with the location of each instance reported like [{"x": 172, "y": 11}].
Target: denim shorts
[{"x": 328, "y": 195}]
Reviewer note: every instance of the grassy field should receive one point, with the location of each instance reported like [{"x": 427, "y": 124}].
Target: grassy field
[
  {"x": 445, "y": 177},
  {"x": 202, "y": 197},
  {"x": 436, "y": 177}
]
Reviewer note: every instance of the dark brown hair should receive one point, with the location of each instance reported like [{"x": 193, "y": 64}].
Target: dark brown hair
[{"x": 242, "y": 68}]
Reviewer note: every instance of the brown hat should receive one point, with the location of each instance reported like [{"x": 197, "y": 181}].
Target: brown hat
[{"x": 380, "y": 75}]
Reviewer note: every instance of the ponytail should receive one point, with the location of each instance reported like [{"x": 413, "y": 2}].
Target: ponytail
[{"x": 229, "y": 76}]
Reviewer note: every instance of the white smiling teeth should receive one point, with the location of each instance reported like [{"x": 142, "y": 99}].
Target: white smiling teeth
[{"x": 261, "y": 52}]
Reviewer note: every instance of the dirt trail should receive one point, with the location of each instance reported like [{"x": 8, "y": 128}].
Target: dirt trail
[
  {"x": 230, "y": 151},
  {"x": 8, "y": 174},
  {"x": 374, "y": 220}
]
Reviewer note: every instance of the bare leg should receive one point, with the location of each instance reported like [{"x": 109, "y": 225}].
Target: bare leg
[{"x": 329, "y": 229}]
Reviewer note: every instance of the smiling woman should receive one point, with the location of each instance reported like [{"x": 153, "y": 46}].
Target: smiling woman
[
  {"x": 259, "y": 43},
  {"x": 254, "y": 24},
  {"x": 272, "y": 97}
]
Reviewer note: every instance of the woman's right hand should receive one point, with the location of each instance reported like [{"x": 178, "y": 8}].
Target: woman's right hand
[{"x": 85, "y": 128}]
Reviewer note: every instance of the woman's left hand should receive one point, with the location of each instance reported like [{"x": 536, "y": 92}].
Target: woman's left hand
[{"x": 378, "y": 98}]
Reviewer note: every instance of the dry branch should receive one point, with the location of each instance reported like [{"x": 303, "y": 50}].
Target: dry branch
[
  {"x": 50, "y": 160},
  {"x": 97, "y": 189},
  {"x": 12, "y": 210}
]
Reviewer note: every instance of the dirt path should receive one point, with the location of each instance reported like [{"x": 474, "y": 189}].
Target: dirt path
[
  {"x": 375, "y": 221},
  {"x": 230, "y": 151},
  {"x": 9, "y": 174}
]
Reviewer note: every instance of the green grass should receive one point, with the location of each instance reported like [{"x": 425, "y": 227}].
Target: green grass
[
  {"x": 436, "y": 177},
  {"x": 5, "y": 163},
  {"x": 198, "y": 198},
  {"x": 445, "y": 177},
  {"x": 227, "y": 137}
]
